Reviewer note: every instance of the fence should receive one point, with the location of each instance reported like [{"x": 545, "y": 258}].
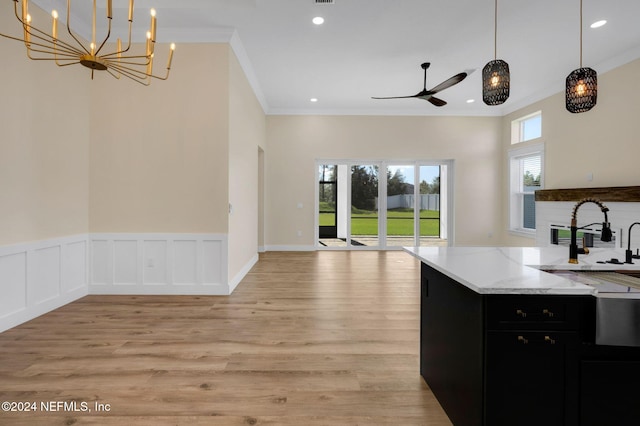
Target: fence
[{"x": 405, "y": 201}]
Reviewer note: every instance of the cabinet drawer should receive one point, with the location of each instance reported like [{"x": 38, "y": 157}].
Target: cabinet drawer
[{"x": 533, "y": 312}]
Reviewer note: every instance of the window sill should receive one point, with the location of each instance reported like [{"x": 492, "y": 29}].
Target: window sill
[{"x": 527, "y": 233}]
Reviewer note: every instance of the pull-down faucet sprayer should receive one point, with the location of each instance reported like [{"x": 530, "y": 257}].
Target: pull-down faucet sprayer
[{"x": 605, "y": 236}]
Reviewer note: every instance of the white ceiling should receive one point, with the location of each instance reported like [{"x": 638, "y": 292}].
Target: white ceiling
[{"x": 375, "y": 47}]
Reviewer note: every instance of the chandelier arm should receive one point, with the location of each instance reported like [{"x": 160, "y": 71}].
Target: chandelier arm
[
  {"x": 68, "y": 54},
  {"x": 129, "y": 70},
  {"x": 122, "y": 51},
  {"x": 117, "y": 77},
  {"x": 127, "y": 73},
  {"x": 129, "y": 42},
  {"x": 65, "y": 48},
  {"x": 48, "y": 39},
  {"x": 128, "y": 62},
  {"x": 108, "y": 55},
  {"x": 114, "y": 54},
  {"x": 53, "y": 52},
  {"x": 39, "y": 34},
  {"x": 106, "y": 38},
  {"x": 139, "y": 74},
  {"x": 69, "y": 28},
  {"x": 51, "y": 46}
]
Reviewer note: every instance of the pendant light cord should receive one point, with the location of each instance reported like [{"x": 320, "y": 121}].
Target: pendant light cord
[
  {"x": 580, "y": 33},
  {"x": 495, "y": 31}
]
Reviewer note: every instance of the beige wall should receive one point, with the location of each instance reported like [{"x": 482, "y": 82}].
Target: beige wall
[
  {"x": 159, "y": 155},
  {"x": 603, "y": 141},
  {"x": 43, "y": 149},
  {"x": 246, "y": 134},
  {"x": 295, "y": 142}
]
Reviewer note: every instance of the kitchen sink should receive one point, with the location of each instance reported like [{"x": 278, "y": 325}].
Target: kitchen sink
[{"x": 617, "y": 304}]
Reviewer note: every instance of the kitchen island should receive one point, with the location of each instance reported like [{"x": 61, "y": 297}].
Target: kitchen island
[{"x": 504, "y": 342}]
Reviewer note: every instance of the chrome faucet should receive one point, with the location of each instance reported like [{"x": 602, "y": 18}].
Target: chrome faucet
[
  {"x": 628, "y": 253},
  {"x": 605, "y": 236}
]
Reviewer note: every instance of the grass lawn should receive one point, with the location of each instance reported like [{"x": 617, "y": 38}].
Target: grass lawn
[{"x": 399, "y": 222}]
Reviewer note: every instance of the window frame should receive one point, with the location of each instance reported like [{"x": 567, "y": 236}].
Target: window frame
[
  {"x": 517, "y": 128},
  {"x": 516, "y": 191}
]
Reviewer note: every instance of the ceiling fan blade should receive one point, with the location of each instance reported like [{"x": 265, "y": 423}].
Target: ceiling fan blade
[
  {"x": 436, "y": 101},
  {"x": 448, "y": 83},
  {"x": 396, "y": 97}
]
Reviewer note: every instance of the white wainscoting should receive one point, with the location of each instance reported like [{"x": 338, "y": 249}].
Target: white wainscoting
[
  {"x": 158, "y": 264},
  {"x": 38, "y": 277}
]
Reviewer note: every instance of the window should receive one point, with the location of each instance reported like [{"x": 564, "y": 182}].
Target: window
[
  {"x": 526, "y": 128},
  {"x": 526, "y": 169}
]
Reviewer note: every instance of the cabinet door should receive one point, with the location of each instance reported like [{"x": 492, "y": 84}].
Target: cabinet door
[
  {"x": 609, "y": 394},
  {"x": 525, "y": 377}
]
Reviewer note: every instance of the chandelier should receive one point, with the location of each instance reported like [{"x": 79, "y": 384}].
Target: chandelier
[{"x": 48, "y": 46}]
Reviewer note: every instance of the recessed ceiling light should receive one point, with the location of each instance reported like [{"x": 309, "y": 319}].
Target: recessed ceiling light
[
  {"x": 598, "y": 24},
  {"x": 318, "y": 20},
  {"x": 470, "y": 101},
  {"x": 313, "y": 99}
]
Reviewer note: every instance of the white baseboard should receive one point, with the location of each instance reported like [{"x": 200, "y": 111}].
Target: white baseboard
[
  {"x": 291, "y": 248},
  {"x": 240, "y": 275},
  {"x": 158, "y": 264},
  {"x": 40, "y": 276}
]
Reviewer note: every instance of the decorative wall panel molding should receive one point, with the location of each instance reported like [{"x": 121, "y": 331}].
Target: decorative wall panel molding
[
  {"x": 38, "y": 277},
  {"x": 159, "y": 264}
]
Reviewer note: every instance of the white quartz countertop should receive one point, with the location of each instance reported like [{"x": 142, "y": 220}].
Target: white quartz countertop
[{"x": 517, "y": 270}]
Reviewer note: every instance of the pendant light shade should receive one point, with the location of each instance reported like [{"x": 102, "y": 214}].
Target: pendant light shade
[
  {"x": 582, "y": 90},
  {"x": 582, "y": 84},
  {"x": 495, "y": 82},
  {"x": 495, "y": 75}
]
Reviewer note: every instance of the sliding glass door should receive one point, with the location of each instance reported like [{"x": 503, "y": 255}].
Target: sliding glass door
[
  {"x": 400, "y": 200},
  {"x": 364, "y": 205},
  {"x": 407, "y": 207}
]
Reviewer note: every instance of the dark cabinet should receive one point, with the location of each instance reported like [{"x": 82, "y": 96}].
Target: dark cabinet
[
  {"x": 609, "y": 391},
  {"x": 531, "y": 358},
  {"x": 525, "y": 378},
  {"x": 500, "y": 359},
  {"x": 451, "y": 346}
]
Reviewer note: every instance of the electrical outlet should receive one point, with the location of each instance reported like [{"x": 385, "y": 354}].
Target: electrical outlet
[
  {"x": 150, "y": 263},
  {"x": 299, "y": 233}
]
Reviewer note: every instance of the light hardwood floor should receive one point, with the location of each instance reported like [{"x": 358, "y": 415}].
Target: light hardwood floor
[{"x": 315, "y": 338}]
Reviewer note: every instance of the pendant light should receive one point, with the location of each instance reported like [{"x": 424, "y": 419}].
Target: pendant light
[
  {"x": 581, "y": 85},
  {"x": 495, "y": 75}
]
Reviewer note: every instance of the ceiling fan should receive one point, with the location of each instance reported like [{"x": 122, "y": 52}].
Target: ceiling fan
[{"x": 427, "y": 95}]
